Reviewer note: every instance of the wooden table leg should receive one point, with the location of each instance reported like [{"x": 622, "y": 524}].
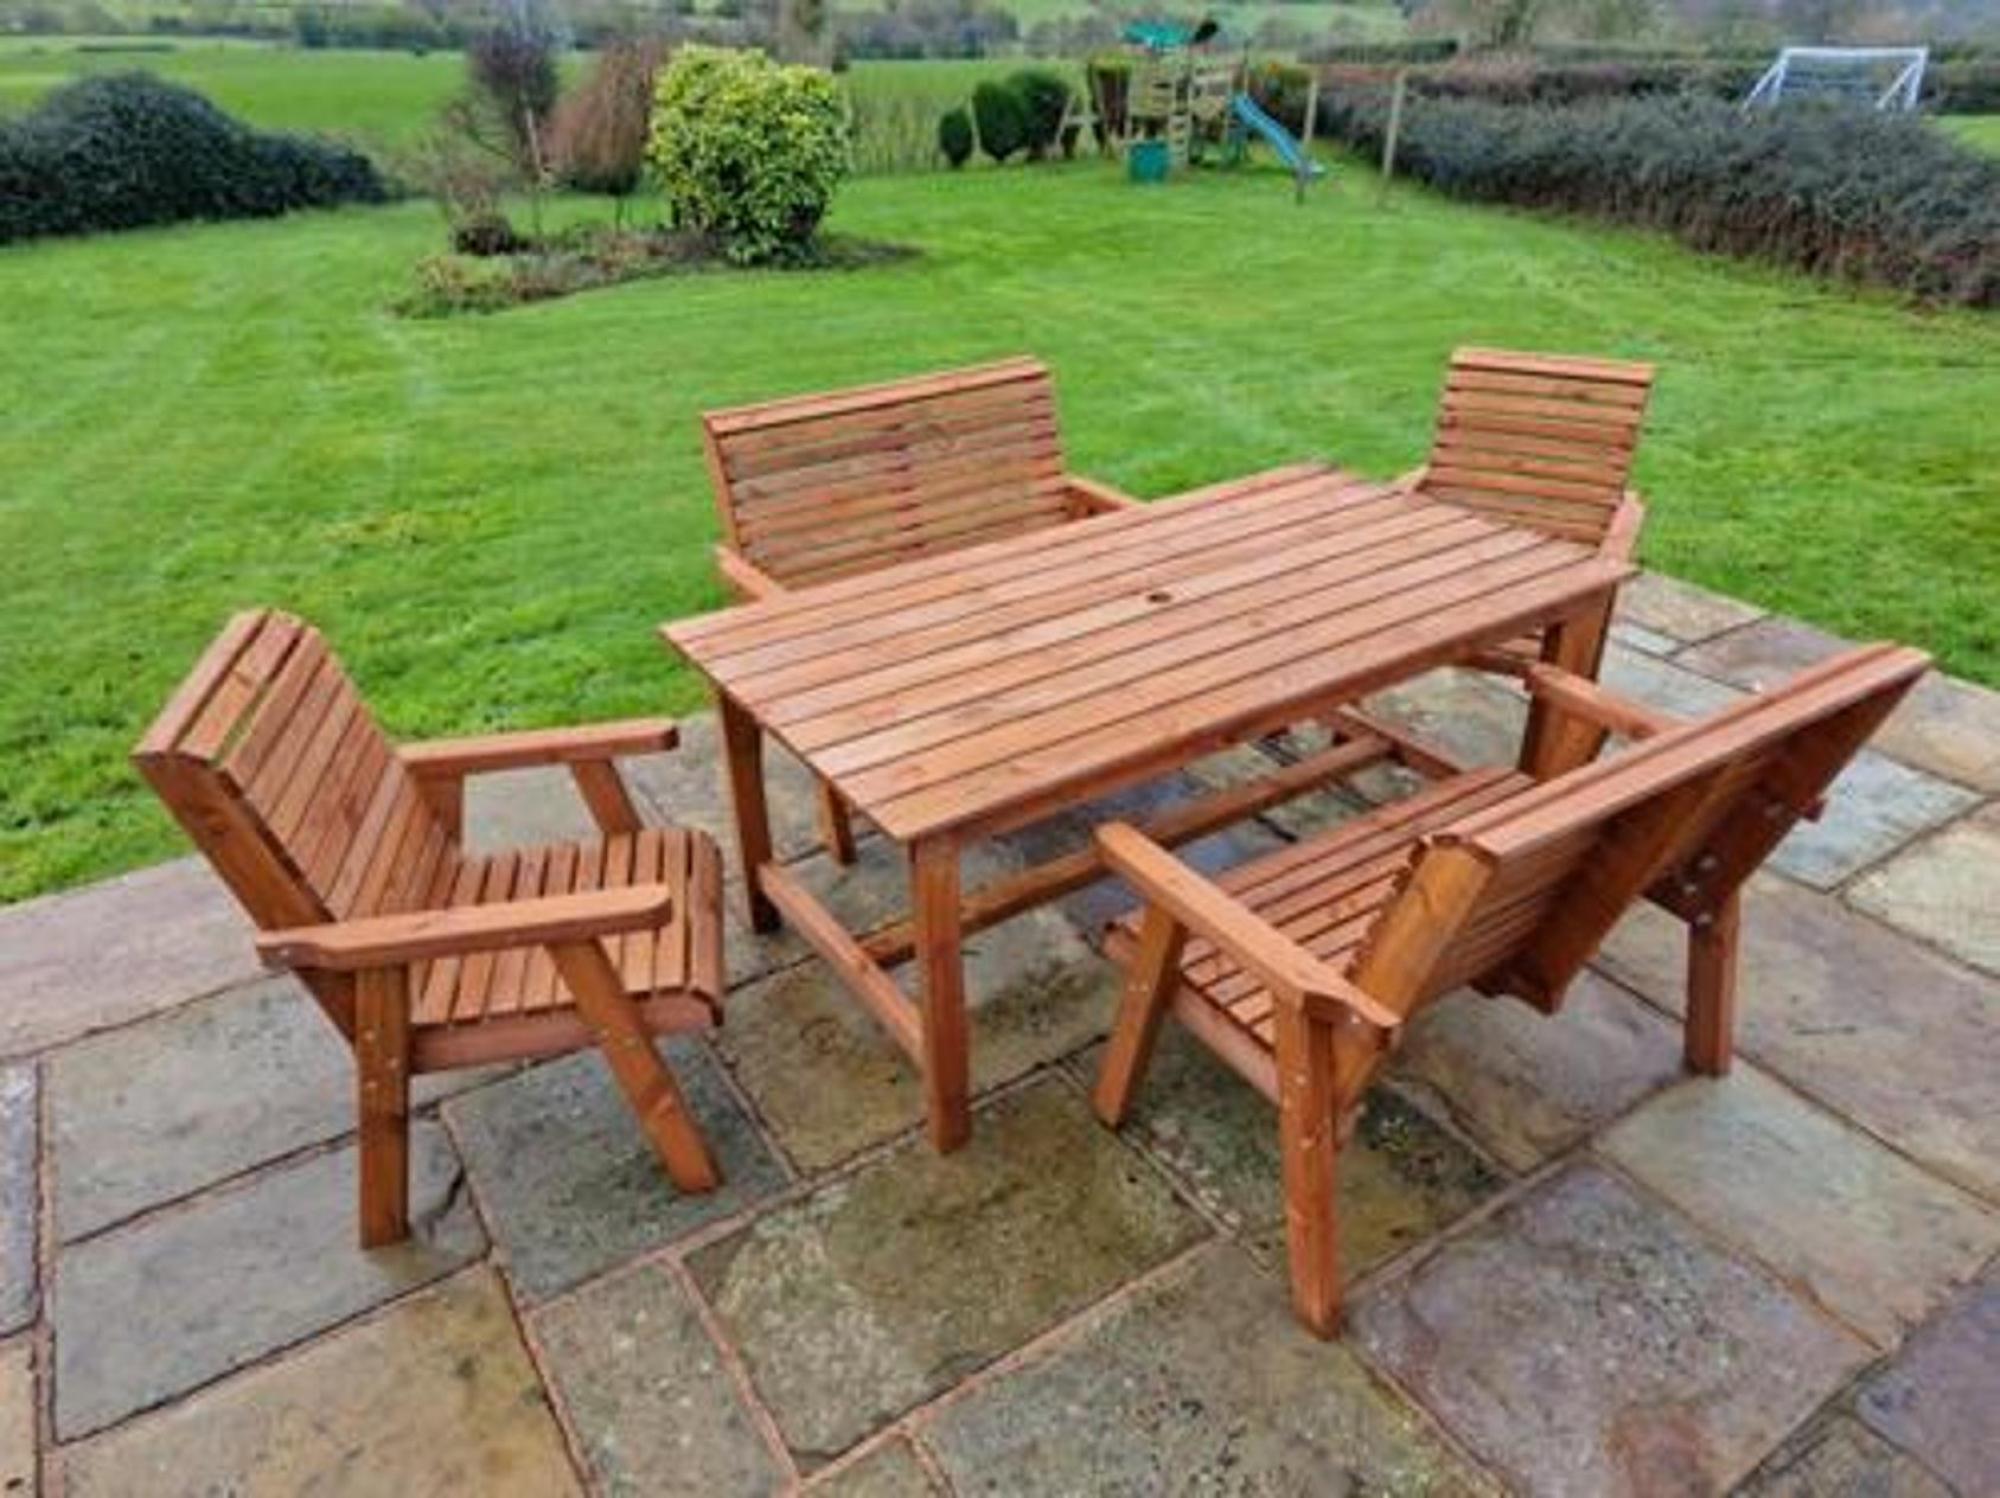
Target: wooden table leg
[
  {"x": 934, "y": 907},
  {"x": 743, "y": 760},
  {"x": 1554, "y": 741}
]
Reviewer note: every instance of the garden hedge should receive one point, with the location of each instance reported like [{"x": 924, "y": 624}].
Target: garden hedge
[
  {"x": 1830, "y": 190},
  {"x": 121, "y": 151}
]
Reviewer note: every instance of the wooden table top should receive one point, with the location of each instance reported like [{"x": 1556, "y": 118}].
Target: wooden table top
[{"x": 985, "y": 688}]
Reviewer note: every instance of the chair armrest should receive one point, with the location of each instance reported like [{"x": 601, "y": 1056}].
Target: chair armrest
[
  {"x": 1094, "y": 497},
  {"x": 1586, "y": 699},
  {"x": 453, "y": 759},
  {"x": 420, "y": 935},
  {"x": 745, "y": 578},
  {"x": 1621, "y": 537},
  {"x": 1413, "y": 480},
  {"x": 1273, "y": 958}
]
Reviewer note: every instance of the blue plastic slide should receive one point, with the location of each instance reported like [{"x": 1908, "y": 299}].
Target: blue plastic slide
[{"x": 1303, "y": 167}]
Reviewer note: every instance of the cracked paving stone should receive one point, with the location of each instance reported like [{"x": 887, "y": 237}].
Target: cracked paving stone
[
  {"x": 887, "y": 1287},
  {"x": 647, "y": 1393},
  {"x": 570, "y": 1185},
  {"x": 1586, "y": 1341},
  {"x": 1401, "y": 1177},
  {"x": 149, "y": 1311},
  {"x": 1939, "y": 1398},
  {"x": 1527, "y": 1085},
  {"x": 1877, "y": 1240},
  {"x": 1201, "y": 1382},
  {"x": 434, "y": 1396},
  {"x": 1870, "y": 1024}
]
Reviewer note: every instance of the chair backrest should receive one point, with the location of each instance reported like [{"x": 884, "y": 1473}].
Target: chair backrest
[
  {"x": 821, "y": 486},
  {"x": 1518, "y": 896},
  {"x": 270, "y": 760},
  {"x": 1537, "y": 439}
]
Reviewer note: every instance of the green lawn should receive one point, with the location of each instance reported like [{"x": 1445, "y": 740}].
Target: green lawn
[
  {"x": 1981, "y": 130},
  {"x": 489, "y": 515}
]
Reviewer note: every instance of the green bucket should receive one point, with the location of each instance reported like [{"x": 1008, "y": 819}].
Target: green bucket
[{"x": 1148, "y": 160}]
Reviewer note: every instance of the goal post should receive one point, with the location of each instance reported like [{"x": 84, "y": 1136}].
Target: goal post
[{"x": 1884, "y": 78}]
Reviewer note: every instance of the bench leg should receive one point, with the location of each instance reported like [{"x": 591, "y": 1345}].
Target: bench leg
[
  {"x": 382, "y": 1064},
  {"x": 1711, "y": 998},
  {"x": 934, "y": 905},
  {"x": 1148, "y": 986},
  {"x": 836, "y": 825},
  {"x": 1309, "y": 1141},
  {"x": 641, "y": 1075}
]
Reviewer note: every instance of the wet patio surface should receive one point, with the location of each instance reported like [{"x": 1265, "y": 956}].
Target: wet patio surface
[{"x": 1578, "y": 1270}]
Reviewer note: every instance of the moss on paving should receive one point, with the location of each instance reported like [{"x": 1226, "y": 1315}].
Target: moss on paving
[{"x": 489, "y": 515}]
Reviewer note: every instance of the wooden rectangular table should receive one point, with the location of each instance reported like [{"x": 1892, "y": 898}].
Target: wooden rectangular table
[{"x": 959, "y": 696}]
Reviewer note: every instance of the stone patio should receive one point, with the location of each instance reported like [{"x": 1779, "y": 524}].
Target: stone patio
[{"x": 1578, "y": 1270}]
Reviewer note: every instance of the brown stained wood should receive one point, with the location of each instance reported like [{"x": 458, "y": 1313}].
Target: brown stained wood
[
  {"x": 1150, "y": 979},
  {"x": 382, "y": 1072},
  {"x": 743, "y": 765},
  {"x": 1554, "y": 740},
  {"x": 605, "y": 796},
  {"x": 425, "y": 959},
  {"x": 847, "y": 958},
  {"x": 640, "y": 1073},
  {"x": 1713, "y": 939},
  {"x": 1308, "y": 1144},
  {"x": 934, "y": 900},
  {"x": 836, "y": 827}
]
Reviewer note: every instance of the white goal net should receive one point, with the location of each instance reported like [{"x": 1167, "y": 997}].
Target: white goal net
[{"x": 1887, "y": 78}]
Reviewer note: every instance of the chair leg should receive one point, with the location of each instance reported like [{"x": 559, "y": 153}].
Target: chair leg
[
  {"x": 640, "y": 1073},
  {"x": 836, "y": 825},
  {"x": 382, "y": 1065},
  {"x": 1711, "y": 997},
  {"x": 1148, "y": 986},
  {"x": 1309, "y": 1141}
]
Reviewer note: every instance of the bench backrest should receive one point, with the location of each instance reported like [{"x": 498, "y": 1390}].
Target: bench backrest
[
  {"x": 270, "y": 760},
  {"x": 1519, "y": 896},
  {"x": 1538, "y": 440},
  {"x": 821, "y": 486}
]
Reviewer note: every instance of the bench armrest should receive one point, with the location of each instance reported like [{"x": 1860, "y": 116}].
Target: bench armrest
[
  {"x": 1261, "y": 949},
  {"x": 745, "y": 578},
  {"x": 421, "y": 935},
  {"x": 1094, "y": 497},
  {"x": 1570, "y": 693},
  {"x": 454, "y": 759}
]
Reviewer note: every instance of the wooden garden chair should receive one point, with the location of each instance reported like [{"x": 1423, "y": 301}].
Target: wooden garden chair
[
  {"x": 1300, "y": 969},
  {"x": 345, "y": 850},
  {"x": 1544, "y": 441},
  {"x": 817, "y": 487}
]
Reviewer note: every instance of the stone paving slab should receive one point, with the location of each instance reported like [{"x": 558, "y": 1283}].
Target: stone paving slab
[
  {"x": 1950, "y": 728},
  {"x": 1680, "y": 609},
  {"x": 116, "y": 951},
  {"x": 891, "y": 1470},
  {"x": 1401, "y": 1177},
  {"x": 150, "y": 1311},
  {"x": 646, "y": 1392},
  {"x": 885, "y": 1288},
  {"x": 1588, "y": 1341},
  {"x": 435, "y": 1396},
  {"x": 17, "y": 1419},
  {"x": 1638, "y": 637},
  {"x": 1526, "y": 1085},
  {"x": 1872, "y": 1025},
  {"x": 1945, "y": 890},
  {"x": 1475, "y": 718},
  {"x": 687, "y": 789},
  {"x": 156, "y": 1111},
  {"x": 1875, "y": 1239},
  {"x": 1874, "y": 807},
  {"x": 1938, "y": 1400},
  {"x": 1840, "y": 1458},
  {"x": 1663, "y": 685},
  {"x": 20, "y": 1198},
  {"x": 567, "y": 1180},
  {"x": 1763, "y": 654},
  {"x": 1201, "y": 1382}
]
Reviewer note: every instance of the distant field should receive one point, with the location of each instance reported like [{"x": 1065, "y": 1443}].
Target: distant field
[{"x": 1981, "y": 130}]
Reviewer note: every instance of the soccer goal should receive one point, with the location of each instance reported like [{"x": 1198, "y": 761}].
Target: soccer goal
[{"x": 1887, "y": 78}]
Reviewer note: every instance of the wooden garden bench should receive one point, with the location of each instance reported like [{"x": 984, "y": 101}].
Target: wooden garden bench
[
  {"x": 345, "y": 851},
  {"x": 1300, "y": 968},
  {"x": 818, "y": 487}
]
